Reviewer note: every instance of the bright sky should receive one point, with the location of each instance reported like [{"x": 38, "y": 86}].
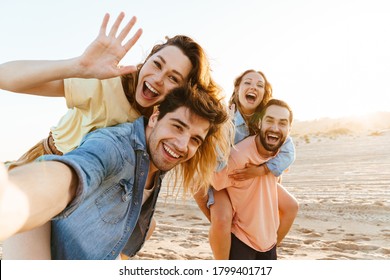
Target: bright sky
[{"x": 326, "y": 58}]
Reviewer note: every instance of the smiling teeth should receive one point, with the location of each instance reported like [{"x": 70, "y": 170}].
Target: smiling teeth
[
  {"x": 273, "y": 135},
  {"x": 172, "y": 153},
  {"x": 151, "y": 88}
]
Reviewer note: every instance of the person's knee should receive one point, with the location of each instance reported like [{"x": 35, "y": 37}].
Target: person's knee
[
  {"x": 222, "y": 219},
  {"x": 288, "y": 204},
  {"x": 294, "y": 206},
  {"x": 291, "y": 209}
]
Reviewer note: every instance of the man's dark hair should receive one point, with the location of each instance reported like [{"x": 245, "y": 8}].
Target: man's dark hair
[
  {"x": 199, "y": 103},
  {"x": 197, "y": 173},
  {"x": 277, "y": 102}
]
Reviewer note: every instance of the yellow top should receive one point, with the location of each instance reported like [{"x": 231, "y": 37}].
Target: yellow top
[{"x": 92, "y": 104}]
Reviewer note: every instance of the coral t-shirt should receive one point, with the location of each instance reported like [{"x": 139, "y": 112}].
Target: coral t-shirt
[{"x": 254, "y": 201}]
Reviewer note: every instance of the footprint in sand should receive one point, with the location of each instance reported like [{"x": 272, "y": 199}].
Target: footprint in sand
[
  {"x": 201, "y": 225},
  {"x": 199, "y": 234},
  {"x": 191, "y": 257},
  {"x": 346, "y": 246},
  {"x": 305, "y": 230},
  {"x": 146, "y": 256},
  {"x": 315, "y": 234},
  {"x": 178, "y": 240},
  {"x": 309, "y": 241},
  {"x": 386, "y": 233},
  {"x": 194, "y": 230},
  {"x": 194, "y": 218},
  {"x": 350, "y": 246},
  {"x": 171, "y": 256},
  {"x": 286, "y": 251},
  {"x": 385, "y": 251},
  {"x": 188, "y": 245},
  {"x": 176, "y": 215},
  {"x": 356, "y": 238},
  {"x": 167, "y": 250},
  {"x": 335, "y": 230},
  {"x": 291, "y": 244},
  {"x": 204, "y": 235},
  {"x": 310, "y": 233},
  {"x": 340, "y": 257}
]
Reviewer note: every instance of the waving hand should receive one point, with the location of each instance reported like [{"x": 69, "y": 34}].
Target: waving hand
[{"x": 102, "y": 57}]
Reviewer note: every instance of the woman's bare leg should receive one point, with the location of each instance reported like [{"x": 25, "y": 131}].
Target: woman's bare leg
[
  {"x": 220, "y": 215},
  {"x": 201, "y": 200},
  {"x": 288, "y": 209},
  {"x": 221, "y": 223}
]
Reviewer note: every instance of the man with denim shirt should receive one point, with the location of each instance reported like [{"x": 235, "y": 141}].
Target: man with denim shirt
[{"x": 106, "y": 178}]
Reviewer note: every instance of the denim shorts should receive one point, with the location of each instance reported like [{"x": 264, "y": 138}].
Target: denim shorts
[{"x": 210, "y": 200}]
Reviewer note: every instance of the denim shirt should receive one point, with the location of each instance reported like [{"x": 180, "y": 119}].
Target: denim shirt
[
  {"x": 277, "y": 164},
  {"x": 107, "y": 216}
]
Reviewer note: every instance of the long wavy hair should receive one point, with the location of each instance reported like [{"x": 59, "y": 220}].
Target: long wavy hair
[
  {"x": 200, "y": 74},
  {"x": 253, "y": 123}
]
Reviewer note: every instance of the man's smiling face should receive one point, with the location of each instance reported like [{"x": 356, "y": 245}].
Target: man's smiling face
[
  {"x": 275, "y": 127},
  {"x": 175, "y": 138}
]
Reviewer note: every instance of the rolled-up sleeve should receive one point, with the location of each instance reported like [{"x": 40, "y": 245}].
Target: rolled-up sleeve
[
  {"x": 283, "y": 159},
  {"x": 93, "y": 161}
]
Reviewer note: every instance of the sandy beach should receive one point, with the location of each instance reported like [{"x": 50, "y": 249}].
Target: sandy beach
[{"x": 342, "y": 182}]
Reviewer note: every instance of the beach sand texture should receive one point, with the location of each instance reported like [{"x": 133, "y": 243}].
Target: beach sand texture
[{"x": 342, "y": 182}]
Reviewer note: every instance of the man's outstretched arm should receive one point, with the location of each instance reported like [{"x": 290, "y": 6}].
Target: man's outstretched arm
[{"x": 32, "y": 194}]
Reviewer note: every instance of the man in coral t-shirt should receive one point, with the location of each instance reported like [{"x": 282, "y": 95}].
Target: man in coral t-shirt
[{"x": 255, "y": 201}]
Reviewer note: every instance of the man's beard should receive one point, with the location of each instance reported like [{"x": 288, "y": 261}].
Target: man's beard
[{"x": 271, "y": 147}]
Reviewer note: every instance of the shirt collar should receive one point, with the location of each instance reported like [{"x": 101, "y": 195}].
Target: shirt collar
[
  {"x": 138, "y": 138},
  {"x": 238, "y": 119}
]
